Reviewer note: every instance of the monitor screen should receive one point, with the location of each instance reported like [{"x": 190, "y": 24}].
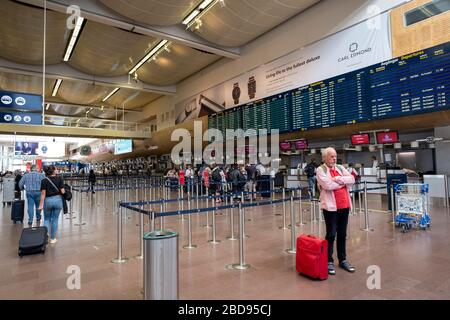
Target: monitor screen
[
  {"x": 387, "y": 137},
  {"x": 285, "y": 146},
  {"x": 360, "y": 139},
  {"x": 301, "y": 144},
  {"x": 25, "y": 148},
  {"x": 123, "y": 146}
]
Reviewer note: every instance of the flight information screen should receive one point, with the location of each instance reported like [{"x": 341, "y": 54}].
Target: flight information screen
[{"x": 412, "y": 84}]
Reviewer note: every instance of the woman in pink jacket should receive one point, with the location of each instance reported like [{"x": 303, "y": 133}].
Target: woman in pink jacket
[{"x": 334, "y": 182}]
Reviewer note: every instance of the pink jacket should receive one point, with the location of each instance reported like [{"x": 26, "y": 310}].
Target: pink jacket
[{"x": 327, "y": 185}]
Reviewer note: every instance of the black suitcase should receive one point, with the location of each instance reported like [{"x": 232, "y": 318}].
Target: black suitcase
[
  {"x": 17, "y": 210},
  {"x": 33, "y": 240}
]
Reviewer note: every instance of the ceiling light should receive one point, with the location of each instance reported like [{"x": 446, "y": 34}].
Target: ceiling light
[
  {"x": 204, "y": 4},
  {"x": 190, "y": 17},
  {"x": 103, "y": 107},
  {"x": 47, "y": 106},
  {"x": 88, "y": 111},
  {"x": 110, "y": 94},
  {"x": 148, "y": 56},
  {"x": 73, "y": 38},
  {"x": 56, "y": 87}
]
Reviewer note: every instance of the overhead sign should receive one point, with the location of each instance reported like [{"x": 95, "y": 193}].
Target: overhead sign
[
  {"x": 20, "y": 101},
  {"x": 360, "y": 139},
  {"x": 20, "y": 118}
]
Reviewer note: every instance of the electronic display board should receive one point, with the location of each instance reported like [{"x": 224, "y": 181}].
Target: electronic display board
[{"x": 411, "y": 84}]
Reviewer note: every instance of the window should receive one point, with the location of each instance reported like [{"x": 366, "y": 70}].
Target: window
[{"x": 426, "y": 11}]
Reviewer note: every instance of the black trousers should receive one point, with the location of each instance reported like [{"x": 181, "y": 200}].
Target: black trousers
[{"x": 336, "y": 222}]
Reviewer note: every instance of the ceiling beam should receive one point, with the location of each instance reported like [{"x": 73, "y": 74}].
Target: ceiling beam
[
  {"x": 95, "y": 11},
  {"x": 53, "y": 101},
  {"x": 66, "y": 72},
  {"x": 71, "y": 132}
]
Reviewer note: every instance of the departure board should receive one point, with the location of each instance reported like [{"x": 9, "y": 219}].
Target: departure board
[{"x": 412, "y": 84}]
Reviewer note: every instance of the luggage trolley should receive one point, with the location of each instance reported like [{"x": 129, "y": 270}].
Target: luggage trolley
[{"x": 412, "y": 206}]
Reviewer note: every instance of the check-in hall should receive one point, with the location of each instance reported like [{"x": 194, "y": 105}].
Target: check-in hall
[{"x": 224, "y": 150}]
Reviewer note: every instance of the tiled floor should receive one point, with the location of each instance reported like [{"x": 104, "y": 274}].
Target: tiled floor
[{"x": 415, "y": 265}]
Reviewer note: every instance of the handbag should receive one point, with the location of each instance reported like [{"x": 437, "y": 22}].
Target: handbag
[{"x": 67, "y": 195}]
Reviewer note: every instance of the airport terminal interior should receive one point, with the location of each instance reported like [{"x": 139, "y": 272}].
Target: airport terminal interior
[{"x": 218, "y": 149}]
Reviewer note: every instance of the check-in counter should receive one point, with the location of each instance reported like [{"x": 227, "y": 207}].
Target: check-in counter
[{"x": 294, "y": 180}]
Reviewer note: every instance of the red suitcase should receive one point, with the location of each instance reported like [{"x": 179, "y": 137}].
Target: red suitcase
[{"x": 312, "y": 257}]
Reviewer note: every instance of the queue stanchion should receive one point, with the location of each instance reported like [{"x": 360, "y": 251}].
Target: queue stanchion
[
  {"x": 243, "y": 201},
  {"x": 196, "y": 198},
  {"x": 153, "y": 221},
  {"x": 359, "y": 199},
  {"x": 272, "y": 181},
  {"x": 141, "y": 234},
  {"x": 366, "y": 210},
  {"x": 80, "y": 212},
  {"x": 292, "y": 249},
  {"x": 231, "y": 213},
  {"x": 119, "y": 258},
  {"x": 182, "y": 203},
  {"x": 299, "y": 192},
  {"x": 207, "y": 212},
  {"x": 353, "y": 201},
  {"x": 189, "y": 245},
  {"x": 161, "y": 218},
  {"x": 284, "y": 227},
  {"x": 241, "y": 265},
  {"x": 312, "y": 210},
  {"x": 392, "y": 203},
  {"x": 214, "y": 240}
]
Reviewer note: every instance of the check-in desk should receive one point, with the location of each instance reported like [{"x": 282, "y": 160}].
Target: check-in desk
[{"x": 294, "y": 180}]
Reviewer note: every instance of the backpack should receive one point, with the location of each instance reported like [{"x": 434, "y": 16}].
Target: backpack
[
  {"x": 310, "y": 170},
  {"x": 216, "y": 175}
]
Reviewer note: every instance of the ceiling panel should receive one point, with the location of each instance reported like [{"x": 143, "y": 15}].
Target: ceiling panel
[
  {"x": 172, "y": 67},
  {"x": 157, "y": 12},
  {"x": 24, "y": 83},
  {"x": 108, "y": 51},
  {"x": 131, "y": 99},
  {"x": 22, "y": 34},
  {"x": 241, "y": 21},
  {"x": 81, "y": 92}
]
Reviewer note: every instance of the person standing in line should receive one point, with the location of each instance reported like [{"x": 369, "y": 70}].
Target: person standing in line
[
  {"x": 52, "y": 189},
  {"x": 92, "y": 179},
  {"x": 334, "y": 182},
  {"x": 310, "y": 171},
  {"x": 31, "y": 183}
]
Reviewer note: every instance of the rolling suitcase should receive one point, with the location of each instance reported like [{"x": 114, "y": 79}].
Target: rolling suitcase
[
  {"x": 17, "y": 210},
  {"x": 32, "y": 241},
  {"x": 312, "y": 257}
]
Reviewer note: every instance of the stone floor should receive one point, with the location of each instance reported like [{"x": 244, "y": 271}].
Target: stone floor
[{"x": 414, "y": 265}]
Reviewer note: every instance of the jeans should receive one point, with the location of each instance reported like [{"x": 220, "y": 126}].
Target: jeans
[
  {"x": 336, "y": 222},
  {"x": 33, "y": 199},
  {"x": 91, "y": 187},
  {"x": 312, "y": 184},
  {"x": 52, "y": 209}
]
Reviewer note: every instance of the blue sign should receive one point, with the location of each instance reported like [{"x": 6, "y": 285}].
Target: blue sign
[
  {"x": 20, "y": 101},
  {"x": 21, "y": 118}
]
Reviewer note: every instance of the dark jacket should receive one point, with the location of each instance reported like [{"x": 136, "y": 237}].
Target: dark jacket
[{"x": 92, "y": 178}]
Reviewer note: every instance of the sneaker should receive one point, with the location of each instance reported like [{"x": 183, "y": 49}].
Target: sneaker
[
  {"x": 38, "y": 223},
  {"x": 53, "y": 241},
  {"x": 347, "y": 266},
  {"x": 30, "y": 225},
  {"x": 331, "y": 269}
]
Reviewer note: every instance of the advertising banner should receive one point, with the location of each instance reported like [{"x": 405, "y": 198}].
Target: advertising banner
[{"x": 357, "y": 47}]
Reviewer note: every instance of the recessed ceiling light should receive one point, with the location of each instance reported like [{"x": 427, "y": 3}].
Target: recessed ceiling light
[
  {"x": 190, "y": 17},
  {"x": 56, "y": 87},
  {"x": 73, "y": 38},
  {"x": 149, "y": 55},
  {"x": 110, "y": 94}
]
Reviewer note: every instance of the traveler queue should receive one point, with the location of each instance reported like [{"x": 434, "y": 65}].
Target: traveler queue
[{"x": 215, "y": 178}]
